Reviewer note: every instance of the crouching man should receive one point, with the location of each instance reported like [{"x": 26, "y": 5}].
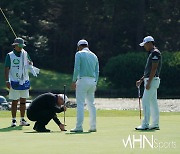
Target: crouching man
[{"x": 44, "y": 108}]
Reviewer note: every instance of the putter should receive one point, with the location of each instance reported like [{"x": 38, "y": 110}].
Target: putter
[
  {"x": 8, "y": 22},
  {"x": 139, "y": 96},
  {"x": 64, "y": 106}
]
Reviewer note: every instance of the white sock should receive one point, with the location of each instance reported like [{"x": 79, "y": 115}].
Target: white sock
[
  {"x": 22, "y": 118},
  {"x": 13, "y": 118}
]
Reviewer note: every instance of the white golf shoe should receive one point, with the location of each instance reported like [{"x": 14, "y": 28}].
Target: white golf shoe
[
  {"x": 24, "y": 123},
  {"x": 142, "y": 128},
  {"x": 75, "y": 130},
  {"x": 154, "y": 127},
  {"x": 13, "y": 124},
  {"x": 92, "y": 130}
]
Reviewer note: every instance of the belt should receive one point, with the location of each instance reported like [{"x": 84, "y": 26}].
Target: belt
[
  {"x": 87, "y": 77},
  {"x": 153, "y": 78}
]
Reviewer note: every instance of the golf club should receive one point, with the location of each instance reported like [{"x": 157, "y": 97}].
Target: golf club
[
  {"x": 8, "y": 22},
  {"x": 64, "y": 105},
  {"x": 139, "y": 96}
]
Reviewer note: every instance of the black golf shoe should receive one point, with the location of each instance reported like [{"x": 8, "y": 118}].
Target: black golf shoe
[
  {"x": 35, "y": 125},
  {"x": 41, "y": 129}
]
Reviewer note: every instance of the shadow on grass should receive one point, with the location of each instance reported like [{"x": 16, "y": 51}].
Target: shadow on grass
[
  {"x": 140, "y": 131},
  {"x": 35, "y": 132},
  {"x": 78, "y": 133},
  {"x": 8, "y": 129}
]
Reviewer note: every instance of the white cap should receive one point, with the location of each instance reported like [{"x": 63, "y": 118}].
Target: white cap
[
  {"x": 62, "y": 96},
  {"x": 82, "y": 42},
  {"x": 147, "y": 39}
]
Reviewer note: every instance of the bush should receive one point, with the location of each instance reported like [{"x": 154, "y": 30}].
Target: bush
[{"x": 125, "y": 69}]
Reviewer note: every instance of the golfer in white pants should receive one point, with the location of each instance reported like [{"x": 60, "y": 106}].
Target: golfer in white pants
[
  {"x": 151, "y": 84},
  {"x": 85, "y": 77}
]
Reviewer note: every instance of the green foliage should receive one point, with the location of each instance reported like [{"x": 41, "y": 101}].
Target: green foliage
[
  {"x": 2, "y": 79},
  {"x": 170, "y": 73},
  {"x": 124, "y": 70},
  {"x": 49, "y": 80},
  {"x": 52, "y": 28}
]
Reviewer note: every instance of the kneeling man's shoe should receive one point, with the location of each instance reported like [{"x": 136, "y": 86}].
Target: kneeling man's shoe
[
  {"x": 43, "y": 129},
  {"x": 35, "y": 126},
  {"x": 141, "y": 128}
]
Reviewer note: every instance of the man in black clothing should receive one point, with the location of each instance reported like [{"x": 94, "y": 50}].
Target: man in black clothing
[{"x": 44, "y": 108}]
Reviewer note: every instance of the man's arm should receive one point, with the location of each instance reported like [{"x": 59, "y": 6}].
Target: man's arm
[
  {"x": 58, "y": 109},
  {"x": 156, "y": 56},
  {"x": 76, "y": 67},
  {"x": 57, "y": 121},
  {"x": 138, "y": 83},
  {"x": 152, "y": 74},
  {"x": 6, "y": 70},
  {"x": 97, "y": 71},
  {"x": 29, "y": 59},
  {"x": 76, "y": 70}
]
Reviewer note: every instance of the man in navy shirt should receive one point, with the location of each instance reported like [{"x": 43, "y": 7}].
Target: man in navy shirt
[{"x": 151, "y": 84}]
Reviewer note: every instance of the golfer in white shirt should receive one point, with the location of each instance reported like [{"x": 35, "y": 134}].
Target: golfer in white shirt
[{"x": 85, "y": 78}]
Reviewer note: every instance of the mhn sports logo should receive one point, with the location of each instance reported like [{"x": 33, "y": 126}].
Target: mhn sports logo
[
  {"x": 16, "y": 61},
  {"x": 141, "y": 141}
]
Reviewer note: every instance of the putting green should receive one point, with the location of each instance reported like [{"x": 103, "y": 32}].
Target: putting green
[{"x": 111, "y": 131}]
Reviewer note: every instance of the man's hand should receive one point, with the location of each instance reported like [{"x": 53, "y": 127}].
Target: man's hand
[
  {"x": 30, "y": 62},
  {"x": 148, "y": 85},
  {"x": 65, "y": 108},
  {"x": 62, "y": 127},
  {"x": 8, "y": 85},
  {"x": 138, "y": 83},
  {"x": 73, "y": 85}
]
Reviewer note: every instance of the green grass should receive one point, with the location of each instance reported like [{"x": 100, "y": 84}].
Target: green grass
[
  {"x": 113, "y": 126},
  {"x": 50, "y": 80}
]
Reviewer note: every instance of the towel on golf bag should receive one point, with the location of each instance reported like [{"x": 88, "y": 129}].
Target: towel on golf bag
[
  {"x": 23, "y": 71},
  {"x": 34, "y": 70}
]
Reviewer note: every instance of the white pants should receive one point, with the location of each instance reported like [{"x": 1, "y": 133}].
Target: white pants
[
  {"x": 150, "y": 104},
  {"x": 85, "y": 89},
  {"x": 17, "y": 94}
]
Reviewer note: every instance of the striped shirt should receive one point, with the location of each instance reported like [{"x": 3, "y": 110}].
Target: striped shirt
[{"x": 86, "y": 65}]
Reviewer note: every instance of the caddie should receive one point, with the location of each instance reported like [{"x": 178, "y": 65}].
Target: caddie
[
  {"x": 151, "y": 84},
  {"x": 17, "y": 66}
]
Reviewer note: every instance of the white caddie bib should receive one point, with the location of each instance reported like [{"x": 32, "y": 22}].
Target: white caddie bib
[{"x": 14, "y": 69}]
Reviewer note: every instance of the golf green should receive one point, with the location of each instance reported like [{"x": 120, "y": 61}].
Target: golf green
[{"x": 115, "y": 134}]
